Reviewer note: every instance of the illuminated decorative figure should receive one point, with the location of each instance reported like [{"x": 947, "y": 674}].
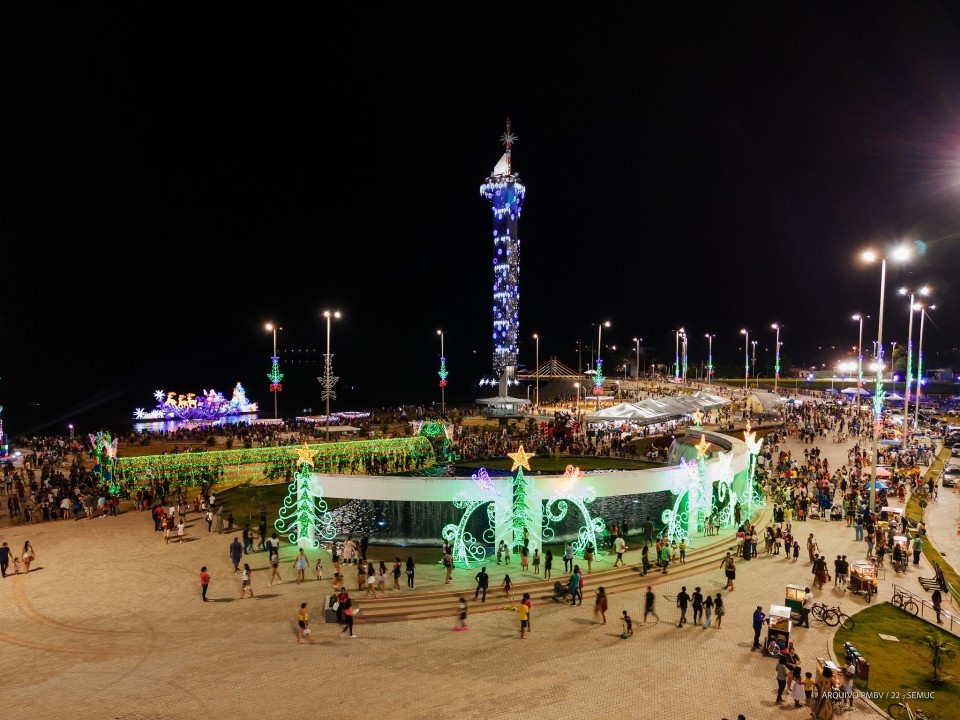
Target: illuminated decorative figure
[
  {"x": 755, "y": 497},
  {"x": 304, "y": 517},
  {"x": 105, "y": 455},
  {"x": 506, "y": 193}
]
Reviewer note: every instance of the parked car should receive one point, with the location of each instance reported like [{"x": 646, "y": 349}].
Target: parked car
[{"x": 951, "y": 476}]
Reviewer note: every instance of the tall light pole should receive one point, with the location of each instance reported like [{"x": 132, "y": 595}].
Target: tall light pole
[
  {"x": 901, "y": 253},
  {"x": 753, "y": 360},
  {"x": 860, "y": 317},
  {"x": 577, "y": 386},
  {"x": 275, "y": 375},
  {"x": 443, "y": 378},
  {"x": 683, "y": 337},
  {"x": 537, "y": 338},
  {"x": 709, "y": 337},
  {"x": 636, "y": 342},
  {"x": 598, "y": 376},
  {"x": 776, "y": 364},
  {"x": 600, "y": 327},
  {"x": 329, "y": 380},
  {"x": 916, "y": 412},
  {"x": 906, "y": 401},
  {"x": 676, "y": 359},
  {"x": 746, "y": 363}
]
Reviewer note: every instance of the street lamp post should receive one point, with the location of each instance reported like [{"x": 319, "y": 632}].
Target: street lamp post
[
  {"x": 684, "y": 338},
  {"x": 776, "y": 364},
  {"x": 753, "y": 361},
  {"x": 637, "y": 341},
  {"x": 916, "y": 412},
  {"x": 710, "y": 337},
  {"x": 746, "y": 363},
  {"x": 536, "y": 337},
  {"x": 676, "y": 357},
  {"x": 329, "y": 380},
  {"x": 597, "y": 390},
  {"x": 577, "y": 386},
  {"x": 275, "y": 376},
  {"x": 859, "y": 317},
  {"x": 906, "y": 392},
  {"x": 899, "y": 254},
  {"x": 443, "y": 378}
]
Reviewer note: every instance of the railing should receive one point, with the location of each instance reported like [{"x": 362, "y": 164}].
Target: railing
[{"x": 914, "y": 604}]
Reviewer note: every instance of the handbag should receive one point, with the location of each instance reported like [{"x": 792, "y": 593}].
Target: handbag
[{"x": 336, "y": 605}]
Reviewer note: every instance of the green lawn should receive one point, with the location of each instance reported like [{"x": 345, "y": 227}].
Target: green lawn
[{"x": 900, "y": 668}]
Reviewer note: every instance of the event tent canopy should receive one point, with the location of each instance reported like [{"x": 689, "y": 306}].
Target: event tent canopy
[
  {"x": 855, "y": 391},
  {"x": 764, "y": 403}
]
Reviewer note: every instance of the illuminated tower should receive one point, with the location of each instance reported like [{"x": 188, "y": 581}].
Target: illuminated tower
[{"x": 505, "y": 192}]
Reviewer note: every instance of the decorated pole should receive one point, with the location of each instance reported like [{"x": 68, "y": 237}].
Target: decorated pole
[
  {"x": 275, "y": 376},
  {"x": 755, "y": 497},
  {"x": 527, "y": 514}
]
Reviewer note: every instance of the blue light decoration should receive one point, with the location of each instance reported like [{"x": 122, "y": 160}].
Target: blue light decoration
[
  {"x": 467, "y": 552},
  {"x": 443, "y": 371},
  {"x": 275, "y": 376},
  {"x": 304, "y": 517},
  {"x": 505, "y": 193},
  {"x": 211, "y": 405},
  {"x": 571, "y": 492}
]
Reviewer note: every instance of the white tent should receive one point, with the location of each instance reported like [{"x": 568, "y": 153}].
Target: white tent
[
  {"x": 894, "y": 396},
  {"x": 631, "y": 412},
  {"x": 854, "y": 391},
  {"x": 764, "y": 403}
]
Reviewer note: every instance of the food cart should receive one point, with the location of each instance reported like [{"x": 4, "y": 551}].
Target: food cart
[
  {"x": 903, "y": 542},
  {"x": 888, "y": 514},
  {"x": 794, "y": 599},
  {"x": 863, "y": 579},
  {"x": 779, "y": 626}
]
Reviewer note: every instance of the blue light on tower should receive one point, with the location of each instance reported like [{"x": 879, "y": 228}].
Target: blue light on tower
[{"x": 506, "y": 193}]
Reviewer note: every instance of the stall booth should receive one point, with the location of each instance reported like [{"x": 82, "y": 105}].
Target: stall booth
[
  {"x": 902, "y": 542},
  {"x": 793, "y": 599},
  {"x": 890, "y": 514},
  {"x": 863, "y": 579},
  {"x": 779, "y": 626}
]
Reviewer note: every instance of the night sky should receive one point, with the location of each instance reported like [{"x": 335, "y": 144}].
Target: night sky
[{"x": 173, "y": 182}]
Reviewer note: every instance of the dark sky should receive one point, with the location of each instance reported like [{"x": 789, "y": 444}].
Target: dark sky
[{"x": 172, "y": 182}]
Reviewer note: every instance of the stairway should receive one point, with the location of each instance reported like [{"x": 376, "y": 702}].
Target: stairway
[{"x": 444, "y": 603}]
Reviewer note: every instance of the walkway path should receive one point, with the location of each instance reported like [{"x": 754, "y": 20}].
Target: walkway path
[{"x": 111, "y": 621}]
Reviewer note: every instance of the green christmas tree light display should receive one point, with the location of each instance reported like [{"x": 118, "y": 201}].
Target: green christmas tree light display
[
  {"x": 522, "y": 520},
  {"x": 304, "y": 516}
]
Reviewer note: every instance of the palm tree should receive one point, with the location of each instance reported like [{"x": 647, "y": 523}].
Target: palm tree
[{"x": 940, "y": 650}]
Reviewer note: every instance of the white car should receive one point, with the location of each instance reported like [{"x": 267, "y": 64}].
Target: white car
[{"x": 951, "y": 476}]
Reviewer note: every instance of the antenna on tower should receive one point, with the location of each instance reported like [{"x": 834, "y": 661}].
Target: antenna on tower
[{"x": 508, "y": 139}]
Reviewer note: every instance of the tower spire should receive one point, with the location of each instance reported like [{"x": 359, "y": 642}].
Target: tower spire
[{"x": 508, "y": 139}]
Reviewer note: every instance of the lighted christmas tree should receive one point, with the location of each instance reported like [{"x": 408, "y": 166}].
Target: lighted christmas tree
[
  {"x": 522, "y": 519},
  {"x": 105, "y": 455},
  {"x": 304, "y": 516},
  {"x": 275, "y": 376},
  {"x": 598, "y": 379}
]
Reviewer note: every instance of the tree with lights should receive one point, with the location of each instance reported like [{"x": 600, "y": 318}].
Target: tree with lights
[
  {"x": 275, "y": 376},
  {"x": 304, "y": 516},
  {"x": 523, "y": 519}
]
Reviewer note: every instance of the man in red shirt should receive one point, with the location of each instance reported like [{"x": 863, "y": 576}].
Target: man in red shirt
[{"x": 204, "y": 582}]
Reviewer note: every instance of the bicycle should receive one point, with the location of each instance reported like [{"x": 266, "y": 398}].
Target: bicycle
[
  {"x": 835, "y": 616},
  {"x": 903, "y": 710},
  {"x": 905, "y": 602}
]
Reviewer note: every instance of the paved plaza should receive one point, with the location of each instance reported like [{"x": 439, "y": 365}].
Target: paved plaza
[{"x": 109, "y": 624}]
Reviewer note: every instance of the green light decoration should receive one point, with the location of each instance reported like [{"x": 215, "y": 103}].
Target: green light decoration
[
  {"x": 105, "y": 457},
  {"x": 200, "y": 465},
  {"x": 467, "y": 552},
  {"x": 598, "y": 379},
  {"x": 275, "y": 376},
  {"x": 686, "y": 488},
  {"x": 304, "y": 517},
  {"x": 570, "y": 491},
  {"x": 439, "y": 434},
  {"x": 695, "y": 496},
  {"x": 754, "y": 493},
  {"x": 522, "y": 517}
]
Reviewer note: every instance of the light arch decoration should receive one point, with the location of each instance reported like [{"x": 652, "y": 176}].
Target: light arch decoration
[{"x": 570, "y": 491}]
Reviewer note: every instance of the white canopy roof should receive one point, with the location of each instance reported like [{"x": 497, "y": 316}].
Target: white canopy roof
[{"x": 764, "y": 402}]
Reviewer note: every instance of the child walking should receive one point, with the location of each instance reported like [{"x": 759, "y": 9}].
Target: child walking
[
  {"x": 463, "y": 615},
  {"x": 536, "y": 562},
  {"x": 627, "y": 625},
  {"x": 506, "y": 585}
]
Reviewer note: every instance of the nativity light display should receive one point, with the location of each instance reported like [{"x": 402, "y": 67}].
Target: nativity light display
[{"x": 210, "y": 405}]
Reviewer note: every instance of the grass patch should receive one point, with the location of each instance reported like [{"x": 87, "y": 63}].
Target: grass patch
[
  {"x": 902, "y": 667},
  {"x": 913, "y": 511}
]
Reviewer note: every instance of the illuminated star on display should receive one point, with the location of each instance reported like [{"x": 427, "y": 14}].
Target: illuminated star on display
[
  {"x": 508, "y": 139},
  {"x": 305, "y": 455},
  {"x": 698, "y": 418},
  {"x": 702, "y": 447},
  {"x": 520, "y": 459}
]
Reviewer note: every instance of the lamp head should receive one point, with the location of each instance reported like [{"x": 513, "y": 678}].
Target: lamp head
[
  {"x": 606, "y": 324},
  {"x": 869, "y": 256},
  {"x": 268, "y": 327},
  {"x": 901, "y": 253},
  {"x": 743, "y": 332},
  {"x": 858, "y": 316},
  {"x": 536, "y": 337},
  {"x": 925, "y": 290},
  {"x": 775, "y": 326},
  {"x": 440, "y": 332},
  {"x": 329, "y": 314}
]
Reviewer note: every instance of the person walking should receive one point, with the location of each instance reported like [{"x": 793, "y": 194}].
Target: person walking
[
  {"x": 245, "y": 585},
  {"x": 547, "y": 564},
  {"x": 318, "y": 568},
  {"x": 382, "y": 577},
  {"x": 620, "y": 546},
  {"x": 219, "y": 518},
  {"x": 372, "y": 583},
  {"x": 483, "y": 581},
  {"x": 411, "y": 567},
  {"x": 600, "y": 605},
  {"x": 4, "y": 559},
  {"x": 627, "y": 625},
  {"x": 303, "y": 624},
  {"x": 783, "y": 672},
  {"x": 917, "y": 549},
  {"x": 463, "y": 615},
  {"x": 665, "y": 556},
  {"x": 448, "y": 564},
  {"x": 759, "y": 616},
  {"x": 506, "y": 585},
  {"x": 300, "y": 565},
  {"x": 349, "y": 613},
  {"x": 645, "y": 559},
  {"x": 683, "y": 600},
  {"x": 697, "y": 600},
  {"x": 567, "y": 558},
  {"x": 28, "y": 556},
  {"x": 936, "y": 599},
  {"x": 523, "y": 612},
  {"x": 729, "y": 566},
  {"x": 576, "y": 579},
  {"x": 536, "y": 561},
  {"x": 718, "y": 609},
  {"x": 204, "y": 583},
  {"x": 525, "y": 600},
  {"x": 396, "y": 572},
  {"x": 648, "y": 600},
  {"x": 707, "y": 611},
  {"x": 236, "y": 553}
]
